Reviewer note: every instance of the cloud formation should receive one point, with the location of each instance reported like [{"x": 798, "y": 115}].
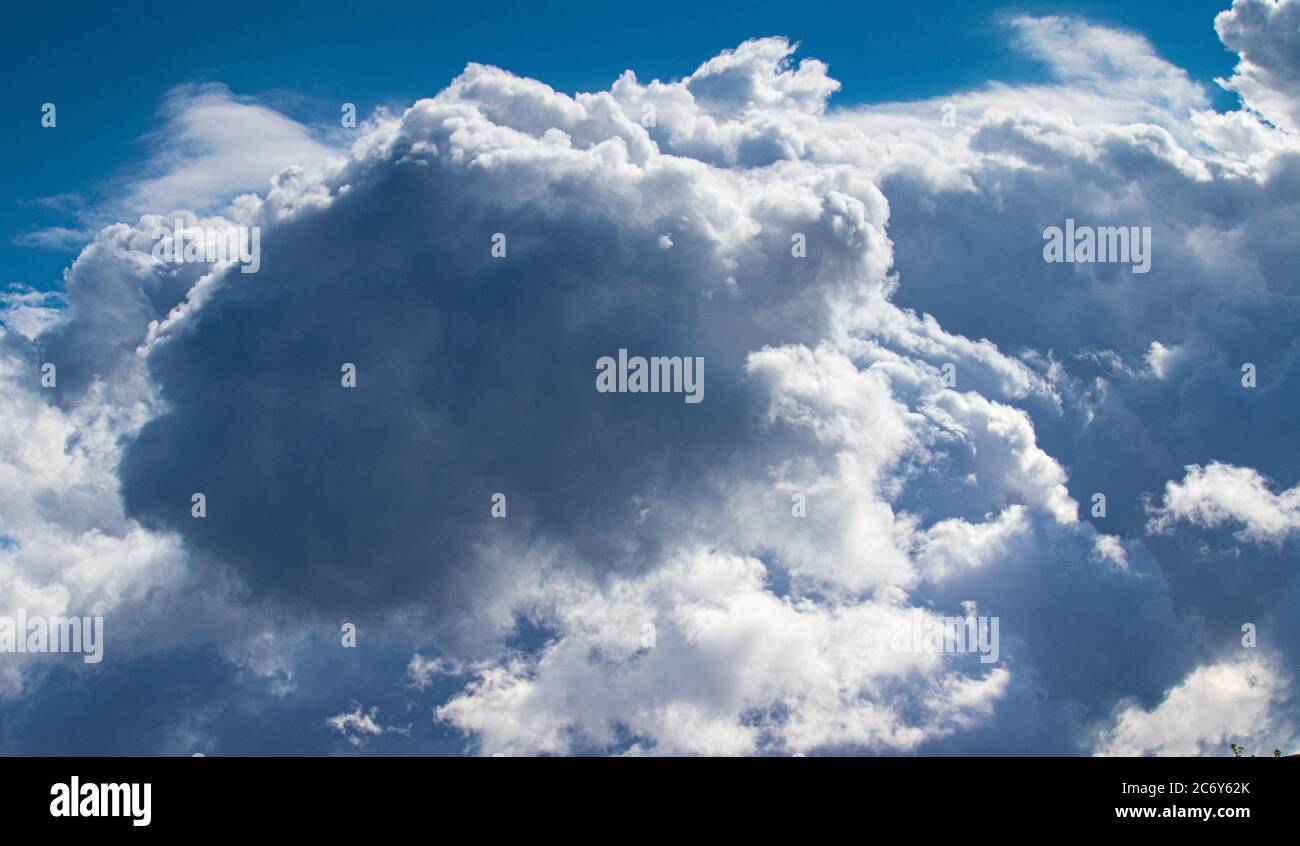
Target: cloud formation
[{"x": 907, "y": 412}]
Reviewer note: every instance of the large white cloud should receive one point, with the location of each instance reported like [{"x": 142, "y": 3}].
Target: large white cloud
[
  {"x": 660, "y": 217},
  {"x": 1266, "y": 36},
  {"x": 1223, "y": 703}
]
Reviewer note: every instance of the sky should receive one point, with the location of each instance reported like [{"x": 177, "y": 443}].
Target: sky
[
  {"x": 111, "y": 74},
  {"x": 426, "y": 527}
]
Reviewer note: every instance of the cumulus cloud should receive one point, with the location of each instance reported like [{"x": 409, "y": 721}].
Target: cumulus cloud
[
  {"x": 1231, "y": 701},
  {"x": 1220, "y": 493},
  {"x": 902, "y": 419},
  {"x": 700, "y": 657},
  {"x": 1266, "y": 37}
]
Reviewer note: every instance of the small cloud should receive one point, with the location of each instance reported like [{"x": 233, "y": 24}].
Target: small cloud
[
  {"x": 55, "y": 238},
  {"x": 358, "y": 725}
]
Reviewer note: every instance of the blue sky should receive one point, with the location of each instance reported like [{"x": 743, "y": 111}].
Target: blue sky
[
  {"x": 108, "y": 75},
  {"x": 913, "y": 412}
]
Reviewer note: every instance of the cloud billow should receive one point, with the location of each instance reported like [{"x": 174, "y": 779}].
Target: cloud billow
[{"x": 650, "y": 589}]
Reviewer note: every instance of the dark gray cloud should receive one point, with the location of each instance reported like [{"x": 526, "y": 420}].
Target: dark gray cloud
[{"x": 475, "y": 375}]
